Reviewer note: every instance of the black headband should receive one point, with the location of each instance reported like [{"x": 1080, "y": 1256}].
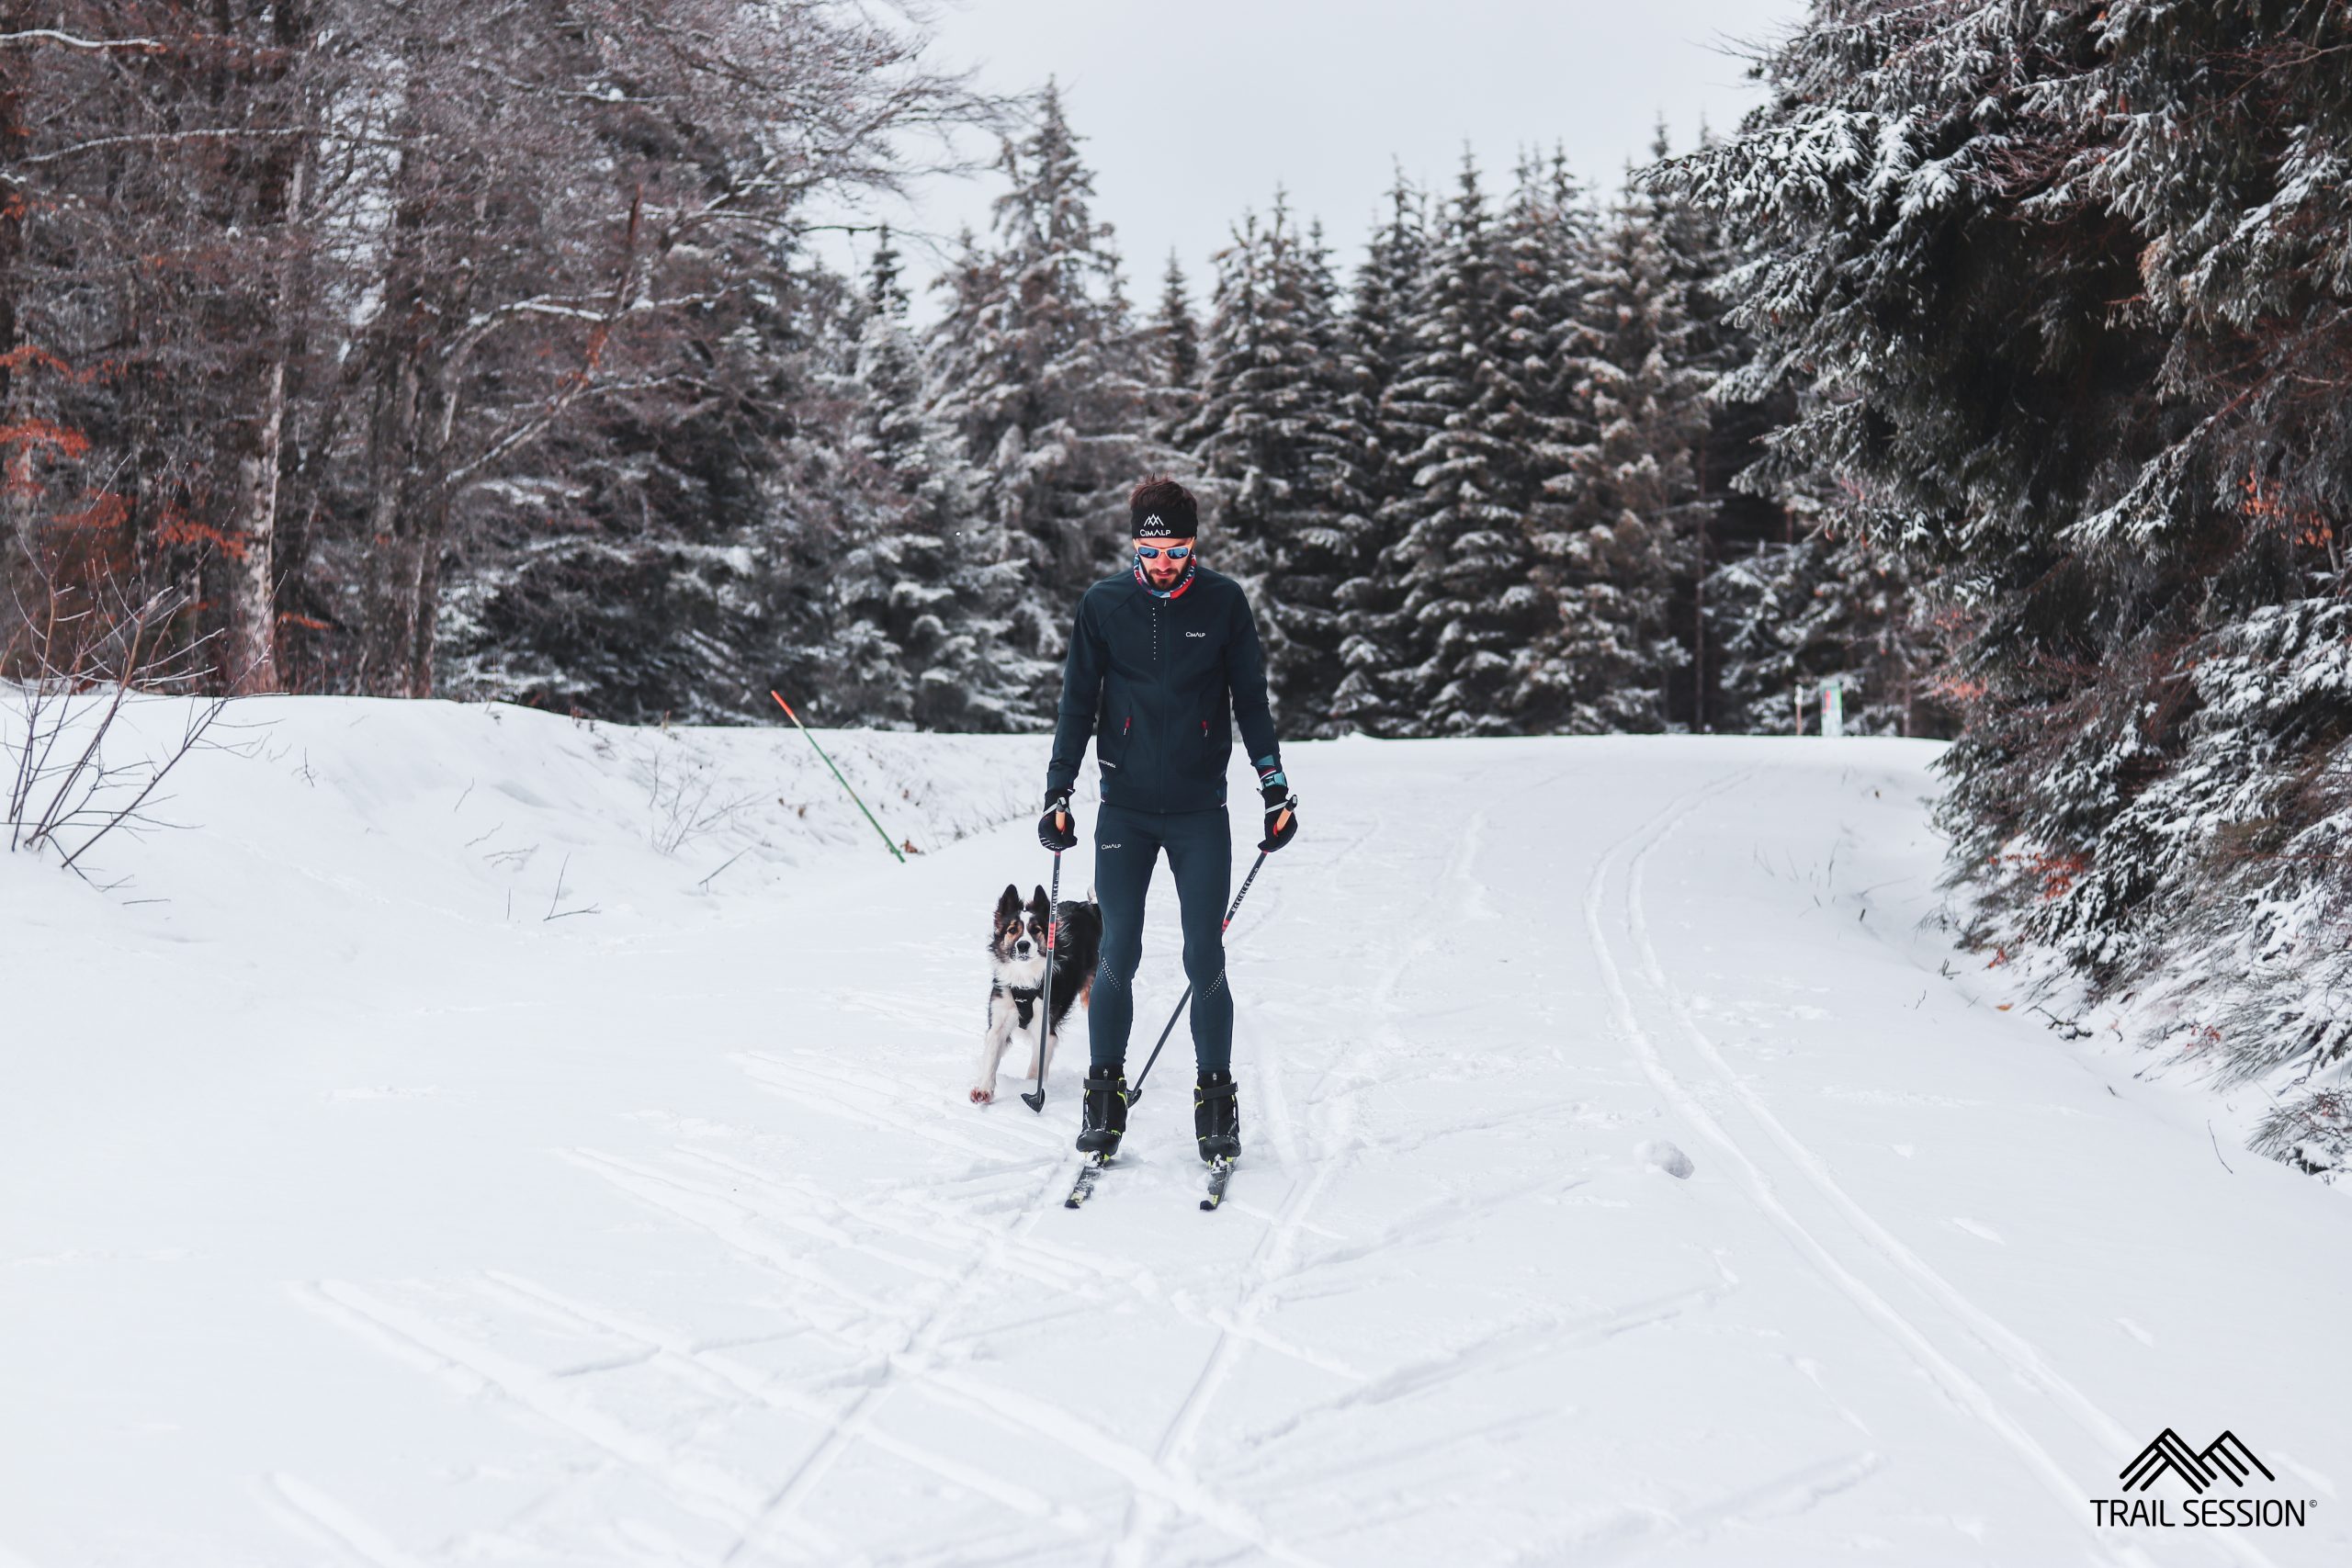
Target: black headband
[{"x": 1161, "y": 520}]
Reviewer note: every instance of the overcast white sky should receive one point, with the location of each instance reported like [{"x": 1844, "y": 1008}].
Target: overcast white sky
[{"x": 1192, "y": 111}]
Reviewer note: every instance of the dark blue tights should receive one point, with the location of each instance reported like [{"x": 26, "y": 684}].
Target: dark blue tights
[{"x": 1200, "y": 852}]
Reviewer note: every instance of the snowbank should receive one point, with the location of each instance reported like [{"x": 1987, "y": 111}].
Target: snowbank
[{"x": 480, "y": 1137}]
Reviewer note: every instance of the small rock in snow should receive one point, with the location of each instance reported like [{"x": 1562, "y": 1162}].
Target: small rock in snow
[{"x": 1666, "y": 1157}]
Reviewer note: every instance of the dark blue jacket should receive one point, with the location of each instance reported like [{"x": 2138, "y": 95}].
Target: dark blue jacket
[{"x": 1160, "y": 683}]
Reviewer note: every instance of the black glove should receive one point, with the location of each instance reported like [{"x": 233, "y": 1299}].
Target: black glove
[
  {"x": 1062, "y": 837},
  {"x": 1283, "y": 805}
]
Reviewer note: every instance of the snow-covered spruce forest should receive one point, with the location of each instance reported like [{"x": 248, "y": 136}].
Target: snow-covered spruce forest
[{"x": 1997, "y": 363}]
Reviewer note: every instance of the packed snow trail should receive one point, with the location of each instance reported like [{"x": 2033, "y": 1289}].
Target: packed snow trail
[{"x": 373, "y": 1203}]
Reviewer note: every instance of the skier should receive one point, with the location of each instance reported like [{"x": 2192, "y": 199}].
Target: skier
[{"x": 1163, "y": 659}]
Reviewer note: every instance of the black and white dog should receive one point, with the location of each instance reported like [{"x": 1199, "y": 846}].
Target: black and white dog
[{"x": 1017, "y": 974}]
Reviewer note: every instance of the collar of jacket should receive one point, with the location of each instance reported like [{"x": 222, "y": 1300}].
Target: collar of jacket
[{"x": 1182, "y": 583}]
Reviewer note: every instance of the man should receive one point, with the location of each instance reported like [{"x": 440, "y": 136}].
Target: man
[{"x": 1163, "y": 659}]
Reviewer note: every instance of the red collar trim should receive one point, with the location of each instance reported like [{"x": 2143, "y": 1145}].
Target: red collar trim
[{"x": 1176, "y": 592}]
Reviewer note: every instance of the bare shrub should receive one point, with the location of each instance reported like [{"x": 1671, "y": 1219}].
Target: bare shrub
[{"x": 75, "y": 651}]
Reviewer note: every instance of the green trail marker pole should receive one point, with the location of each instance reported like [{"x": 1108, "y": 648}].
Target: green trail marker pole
[{"x": 837, "y": 773}]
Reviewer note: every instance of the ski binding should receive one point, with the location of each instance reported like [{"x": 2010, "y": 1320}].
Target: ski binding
[{"x": 1220, "y": 1172}]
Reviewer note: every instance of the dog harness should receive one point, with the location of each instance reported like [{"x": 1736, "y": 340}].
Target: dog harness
[{"x": 1025, "y": 997}]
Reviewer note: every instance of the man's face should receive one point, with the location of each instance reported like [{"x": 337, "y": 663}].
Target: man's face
[{"x": 1164, "y": 569}]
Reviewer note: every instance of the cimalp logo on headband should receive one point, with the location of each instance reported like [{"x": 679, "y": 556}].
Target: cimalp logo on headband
[{"x": 2226, "y": 1462}]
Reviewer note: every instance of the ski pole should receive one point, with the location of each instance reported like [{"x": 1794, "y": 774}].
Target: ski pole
[
  {"x": 1036, "y": 1101},
  {"x": 837, "y": 773},
  {"x": 1185, "y": 1000}
]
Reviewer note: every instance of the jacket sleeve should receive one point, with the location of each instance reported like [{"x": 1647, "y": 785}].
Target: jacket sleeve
[
  {"x": 1245, "y": 673},
  {"x": 1081, "y": 696}
]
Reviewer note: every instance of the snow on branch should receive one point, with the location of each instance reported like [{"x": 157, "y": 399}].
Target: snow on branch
[{"x": 50, "y": 35}]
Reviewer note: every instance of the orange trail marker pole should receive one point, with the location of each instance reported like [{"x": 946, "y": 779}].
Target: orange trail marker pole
[{"x": 837, "y": 773}]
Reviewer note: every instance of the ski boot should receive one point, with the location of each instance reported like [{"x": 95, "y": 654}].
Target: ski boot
[
  {"x": 1217, "y": 1117},
  {"x": 1103, "y": 1114}
]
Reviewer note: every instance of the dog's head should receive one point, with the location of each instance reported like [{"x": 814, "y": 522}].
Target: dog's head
[{"x": 1019, "y": 932}]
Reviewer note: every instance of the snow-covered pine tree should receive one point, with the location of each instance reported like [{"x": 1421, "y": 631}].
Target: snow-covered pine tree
[
  {"x": 886, "y": 289},
  {"x": 1736, "y": 522},
  {"x": 669, "y": 560},
  {"x": 1625, "y": 516},
  {"x": 1549, "y": 246},
  {"x": 919, "y": 596},
  {"x": 1245, "y": 429},
  {"x": 1461, "y": 558},
  {"x": 2072, "y": 287},
  {"x": 1531, "y": 253},
  {"x": 861, "y": 674},
  {"x": 1175, "y": 339},
  {"x": 1375, "y": 345},
  {"x": 1785, "y": 614},
  {"x": 1790, "y": 590},
  {"x": 1323, "y": 543},
  {"x": 1280, "y": 433},
  {"x": 1039, "y": 368}
]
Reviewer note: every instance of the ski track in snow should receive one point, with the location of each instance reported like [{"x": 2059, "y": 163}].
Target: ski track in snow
[
  {"x": 1165, "y": 1484},
  {"x": 1932, "y": 1350},
  {"x": 812, "y": 1307},
  {"x": 1273, "y": 1261},
  {"x": 1958, "y": 1385},
  {"x": 314, "y": 1512}
]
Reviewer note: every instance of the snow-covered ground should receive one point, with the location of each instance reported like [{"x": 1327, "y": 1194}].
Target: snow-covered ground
[{"x": 443, "y": 1153}]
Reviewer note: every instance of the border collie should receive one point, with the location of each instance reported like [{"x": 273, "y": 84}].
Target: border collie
[{"x": 1017, "y": 972}]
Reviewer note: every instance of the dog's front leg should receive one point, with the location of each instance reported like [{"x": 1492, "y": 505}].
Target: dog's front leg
[{"x": 992, "y": 1043}]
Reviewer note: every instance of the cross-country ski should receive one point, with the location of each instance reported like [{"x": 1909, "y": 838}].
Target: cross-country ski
[{"x": 1088, "y": 1171}]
